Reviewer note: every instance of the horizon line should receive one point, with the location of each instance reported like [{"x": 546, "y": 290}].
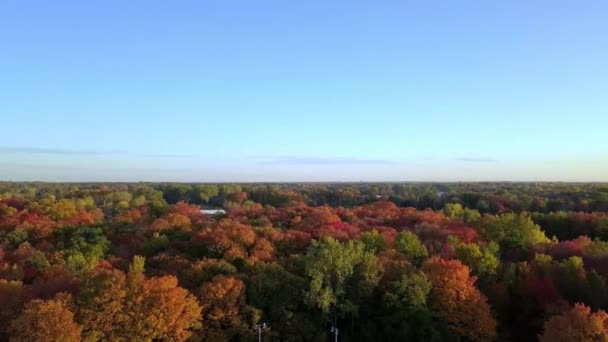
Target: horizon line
[{"x": 311, "y": 182}]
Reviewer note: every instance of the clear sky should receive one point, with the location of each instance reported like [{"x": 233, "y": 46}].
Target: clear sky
[{"x": 303, "y": 90}]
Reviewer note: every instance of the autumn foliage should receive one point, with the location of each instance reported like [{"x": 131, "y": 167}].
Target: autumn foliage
[
  {"x": 578, "y": 324},
  {"x": 46, "y": 320},
  {"x": 456, "y": 300},
  {"x": 382, "y": 262}
]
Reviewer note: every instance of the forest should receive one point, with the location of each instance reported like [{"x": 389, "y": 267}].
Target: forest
[{"x": 304, "y": 262}]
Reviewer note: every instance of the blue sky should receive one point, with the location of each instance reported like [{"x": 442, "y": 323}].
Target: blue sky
[{"x": 303, "y": 90}]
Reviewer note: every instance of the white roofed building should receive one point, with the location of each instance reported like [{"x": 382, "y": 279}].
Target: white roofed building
[{"x": 212, "y": 211}]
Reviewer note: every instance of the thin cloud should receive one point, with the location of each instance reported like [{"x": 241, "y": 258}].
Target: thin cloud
[
  {"x": 59, "y": 151},
  {"x": 169, "y": 155},
  {"x": 476, "y": 160},
  {"x": 574, "y": 162},
  {"x": 291, "y": 160},
  {"x": 82, "y": 152}
]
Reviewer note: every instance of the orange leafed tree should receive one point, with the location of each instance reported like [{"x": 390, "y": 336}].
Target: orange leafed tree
[
  {"x": 222, "y": 299},
  {"x": 229, "y": 239},
  {"x": 169, "y": 308},
  {"x": 113, "y": 306},
  {"x": 455, "y": 300},
  {"x": 578, "y": 324},
  {"x": 156, "y": 308},
  {"x": 46, "y": 320},
  {"x": 177, "y": 220},
  {"x": 159, "y": 225},
  {"x": 100, "y": 304}
]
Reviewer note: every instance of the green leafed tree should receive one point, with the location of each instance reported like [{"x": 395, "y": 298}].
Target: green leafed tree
[
  {"x": 409, "y": 244},
  {"x": 83, "y": 247},
  {"x": 374, "y": 241},
  {"x": 513, "y": 231},
  {"x": 482, "y": 261},
  {"x": 337, "y": 271}
]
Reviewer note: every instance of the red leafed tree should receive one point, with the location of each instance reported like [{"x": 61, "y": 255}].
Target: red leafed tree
[
  {"x": 382, "y": 210},
  {"x": 85, "y": 218},
  {"x": 11, "y": 300},
  {"x": 410, "y": 217},
  {"x": 263, "y": 250},
  {"x": 191, "y": 211},
  {"x": 318, "y": 218},
  {"x": 229, "y": 239},
  {"x": 394, "y": 265},
  {"x": 238, "y": 197},
  {"x": 464, "y": 233},
  {"x": 388, "y": 233},
  {"x": 37, "y": 226},
  {"x": 566, "y": 249},
  {"x": 130, "y": 216},
  {"x": 293, "y": 241},
  {"x": 13, "y": 202},
  {"x": 53, "y": 280}
]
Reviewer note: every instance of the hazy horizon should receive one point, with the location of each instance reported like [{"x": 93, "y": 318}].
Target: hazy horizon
[{"x": 303, "y": 92}]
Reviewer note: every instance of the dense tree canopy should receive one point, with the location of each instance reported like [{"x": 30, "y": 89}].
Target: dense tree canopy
[{"x": 382, "y": 262}]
